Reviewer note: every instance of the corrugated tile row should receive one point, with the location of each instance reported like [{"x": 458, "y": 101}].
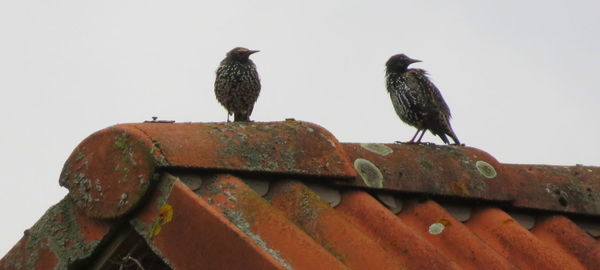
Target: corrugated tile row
[{"x": 361, "y": 233}]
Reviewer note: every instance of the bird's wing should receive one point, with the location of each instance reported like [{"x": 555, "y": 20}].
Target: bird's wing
[{"x": 430, "y": 94}]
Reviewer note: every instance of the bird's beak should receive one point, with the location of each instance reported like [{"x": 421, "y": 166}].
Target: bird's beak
[
  {"x": 415, "y": 61},
  {"x": 252, "y": 51}
]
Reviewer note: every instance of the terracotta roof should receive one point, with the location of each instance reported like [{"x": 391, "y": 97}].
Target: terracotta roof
[{"x": 288, "y": 195}]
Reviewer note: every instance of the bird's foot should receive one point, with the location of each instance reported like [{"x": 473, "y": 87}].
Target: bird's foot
[
  {"x": 408, "y": 142},
  {"x": 458, "y": 144}
]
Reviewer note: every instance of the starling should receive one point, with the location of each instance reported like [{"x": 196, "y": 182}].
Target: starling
[
  {"x": 416, "y": 99},
  {"x": 237, "y": 84}
]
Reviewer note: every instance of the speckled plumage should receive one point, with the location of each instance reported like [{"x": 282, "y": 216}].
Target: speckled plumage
[
  {"x": 237, "y": 84},
  {"x": 417, "y": 100}
]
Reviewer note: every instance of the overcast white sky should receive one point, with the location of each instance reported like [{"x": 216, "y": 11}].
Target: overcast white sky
[{"x": 519, "y": 76}]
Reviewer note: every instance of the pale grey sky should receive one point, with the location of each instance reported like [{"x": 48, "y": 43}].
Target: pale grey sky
[{"x": 519, "y": 76}]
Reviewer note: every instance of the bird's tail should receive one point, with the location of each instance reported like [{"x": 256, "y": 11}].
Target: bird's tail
[
  {"x": 450, "y": 133},
  {"x": 444, "y": 138},
  {"x": 454, "y": 138},
  {"x": 241, "y": 117},
  {"x": 446, "y": 128}
]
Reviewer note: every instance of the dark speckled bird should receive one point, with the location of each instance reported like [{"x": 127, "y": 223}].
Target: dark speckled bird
[
  {"x": 416, "y": 99},
  {"x": 237, "y": 85}
]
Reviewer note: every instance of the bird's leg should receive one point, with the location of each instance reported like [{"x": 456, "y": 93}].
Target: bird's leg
[
  {"x": 413, "y": 138},
  {"x": 419, "y": 140},
  {"x": 228, "y": 116}
]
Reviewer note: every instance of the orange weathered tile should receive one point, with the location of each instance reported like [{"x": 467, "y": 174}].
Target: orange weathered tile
[
  {"x": 46, "y": 259},
  {"x": 381, "y": 225},
  {"x": 16, "y": 257},
  {"x": 433, "y": 169},
  {"x": 454, "y": 239},
  {"x": 329, "y": 228},
  {"x": 92, "y": 229},
  {"x": 515, "y": 243},
  {"x": 568, "y": 189},
  {"x": 62, "y": 236},
  {"x": 111, "y": 164},
  {"x": 257, "y": 218},
  {"x": 190, "y": 234},
  {"x": 22, "y": 256},
  {"x": 564, "y": 235},
  {"x": 252, "y": 146}
]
